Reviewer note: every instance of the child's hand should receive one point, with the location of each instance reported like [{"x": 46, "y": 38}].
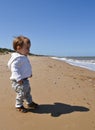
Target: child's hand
[
  {"x": 30, "y": 76},
  {"x": 20, "y": 82}
]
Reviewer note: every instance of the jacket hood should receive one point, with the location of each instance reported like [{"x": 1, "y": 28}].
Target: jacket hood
[{"x": 13, "y": 57}]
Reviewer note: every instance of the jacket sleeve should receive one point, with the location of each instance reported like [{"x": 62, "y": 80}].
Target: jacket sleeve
[{"x": 16, "y": 69}]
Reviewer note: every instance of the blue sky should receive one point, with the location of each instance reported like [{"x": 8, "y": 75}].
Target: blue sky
[{"x": 55, "y": 27}]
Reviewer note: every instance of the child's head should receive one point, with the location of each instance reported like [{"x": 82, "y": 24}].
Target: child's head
[{"x": 22, "y": 45}]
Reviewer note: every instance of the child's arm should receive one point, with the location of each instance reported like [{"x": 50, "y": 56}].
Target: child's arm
[{"x": 16, "y": 70}]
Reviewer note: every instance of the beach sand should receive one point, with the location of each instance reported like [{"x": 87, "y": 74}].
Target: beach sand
[{"x": 65, "y": 94}]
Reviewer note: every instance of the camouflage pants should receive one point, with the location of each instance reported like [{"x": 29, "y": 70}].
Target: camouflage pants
[{"x": 23, "y": 92}]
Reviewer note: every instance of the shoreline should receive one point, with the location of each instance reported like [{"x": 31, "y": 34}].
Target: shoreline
[{"x": 82, "y": 62}]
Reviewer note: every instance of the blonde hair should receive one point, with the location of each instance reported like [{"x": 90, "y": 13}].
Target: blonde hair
[{"x": 20, "y": 41}]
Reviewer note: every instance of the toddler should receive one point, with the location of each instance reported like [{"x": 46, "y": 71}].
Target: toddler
[{"x": 21, "y": 70}]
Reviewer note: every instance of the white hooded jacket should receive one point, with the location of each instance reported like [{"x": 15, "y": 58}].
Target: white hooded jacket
[{"x": 19, "y": 66}]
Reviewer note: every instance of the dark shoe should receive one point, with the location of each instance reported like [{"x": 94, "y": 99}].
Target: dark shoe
[
  {"x": 21, "y": 109},
  {"x": 32, "y": 105}
]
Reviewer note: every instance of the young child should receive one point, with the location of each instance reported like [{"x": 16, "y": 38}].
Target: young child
[{"x": 21, "y": 70}]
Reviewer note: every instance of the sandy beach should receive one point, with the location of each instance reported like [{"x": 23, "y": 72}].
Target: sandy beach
[{"x": 65, "y": 94}]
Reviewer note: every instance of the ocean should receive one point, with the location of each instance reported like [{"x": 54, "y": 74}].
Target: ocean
[{"x": 85, "y": 62}]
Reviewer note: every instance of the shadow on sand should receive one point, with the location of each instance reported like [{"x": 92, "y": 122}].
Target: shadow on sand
[{"x": 58, "y": 109}]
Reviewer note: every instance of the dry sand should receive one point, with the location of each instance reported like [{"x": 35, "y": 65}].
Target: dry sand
[{"x": 65, "y": 93}]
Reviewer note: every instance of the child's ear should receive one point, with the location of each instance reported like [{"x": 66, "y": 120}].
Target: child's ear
[{"x": 18, "y": 47}]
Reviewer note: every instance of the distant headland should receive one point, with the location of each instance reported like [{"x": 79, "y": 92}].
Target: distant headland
[{"x": 7, "y": 51}]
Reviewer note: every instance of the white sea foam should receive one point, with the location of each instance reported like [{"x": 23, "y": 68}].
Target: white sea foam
[{"x": 88, "y": 63}]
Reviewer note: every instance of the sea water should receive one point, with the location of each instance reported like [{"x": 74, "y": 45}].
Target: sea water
[{"x": 85, "y": 62}]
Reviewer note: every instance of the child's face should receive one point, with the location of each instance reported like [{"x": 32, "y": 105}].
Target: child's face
[{"x": 25, "y": 49}]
